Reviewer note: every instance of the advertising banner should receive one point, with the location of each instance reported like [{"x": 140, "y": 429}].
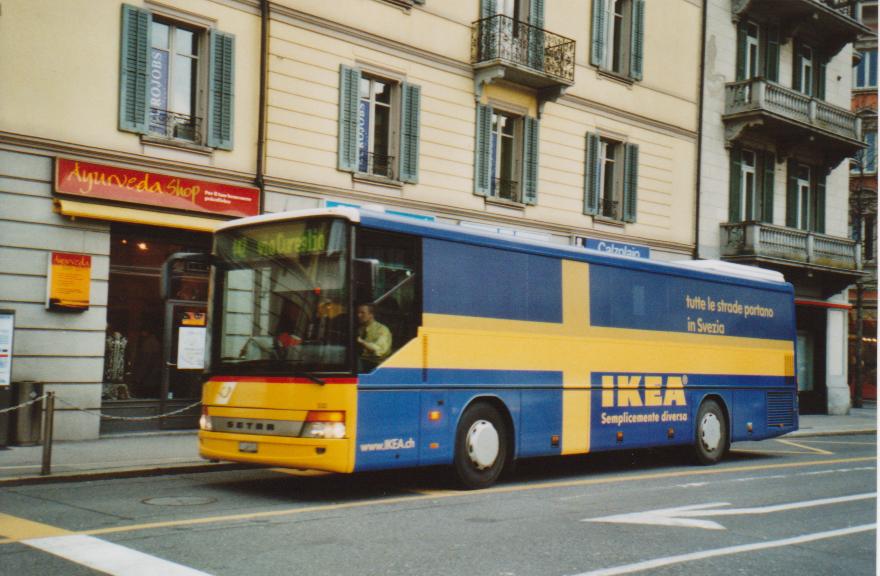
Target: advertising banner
[
  {"x": 7, "y": 325},
  {"x": 68, "y": 282},
  {"x": 102, "y": 182}
]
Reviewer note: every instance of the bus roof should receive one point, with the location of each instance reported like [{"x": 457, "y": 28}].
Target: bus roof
[{"x": 707, "y": 269}]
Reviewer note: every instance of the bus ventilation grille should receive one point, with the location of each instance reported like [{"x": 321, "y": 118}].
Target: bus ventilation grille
[{"x": 780, "y": 409}]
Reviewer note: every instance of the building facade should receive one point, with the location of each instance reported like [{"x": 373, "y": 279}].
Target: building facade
[
  {"x": 777, "y": 135},
  {"x": 529, "y": 118},
  {"x": 863, "y": 210}
]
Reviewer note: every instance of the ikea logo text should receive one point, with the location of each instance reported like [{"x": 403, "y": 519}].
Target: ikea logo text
[{"x": 625, "y": 390}]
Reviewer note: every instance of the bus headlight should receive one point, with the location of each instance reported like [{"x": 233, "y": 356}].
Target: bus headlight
[
  {"x": 323, "y": 424},
  {"x": 205, "y": 421}
]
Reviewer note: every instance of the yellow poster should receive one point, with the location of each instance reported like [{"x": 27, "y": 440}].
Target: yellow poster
[{"x": 70, "y": 277}]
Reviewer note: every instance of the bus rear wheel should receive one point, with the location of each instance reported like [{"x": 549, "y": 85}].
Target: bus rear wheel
[
  {"x": 481, "y": 447},
  {"x": 712, "y": 438}
]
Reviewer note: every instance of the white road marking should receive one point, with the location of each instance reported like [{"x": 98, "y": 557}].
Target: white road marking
[
  {"x": 108, "y": 557},
  {"x": 693, "y": 556},
  {"x": 686, "y": 516}
]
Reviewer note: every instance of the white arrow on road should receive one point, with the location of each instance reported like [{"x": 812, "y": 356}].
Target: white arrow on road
[{"x": 689, "y": 516}]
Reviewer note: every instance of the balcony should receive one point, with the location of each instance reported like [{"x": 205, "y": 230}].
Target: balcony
[
  {"x": 831, "y": 263},
  {"x": 503, "y": 48},
  {"x": 765, "y": 110},
  {"x": 827, "y": 25}
]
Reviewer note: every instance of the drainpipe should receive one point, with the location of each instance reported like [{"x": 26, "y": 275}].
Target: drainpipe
[
  {"x": 699, "y": 171},
  {"x": 264, "y": 75}
]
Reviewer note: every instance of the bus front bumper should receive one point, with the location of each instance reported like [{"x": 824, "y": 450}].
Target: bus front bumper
[{"x": 302, "y": 453}]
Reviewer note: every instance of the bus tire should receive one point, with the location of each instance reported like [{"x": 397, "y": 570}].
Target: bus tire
[
  {"x": 712, "y": 438},
  {"x": 482, "y": 447}
]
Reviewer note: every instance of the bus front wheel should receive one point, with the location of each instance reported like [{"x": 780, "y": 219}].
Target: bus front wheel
[
  {"x": 481, "y": 447},
  {"x": 712, "y": 435}
]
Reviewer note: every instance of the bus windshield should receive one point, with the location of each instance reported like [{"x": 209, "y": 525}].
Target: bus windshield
[{"x": 283, "y": 296}]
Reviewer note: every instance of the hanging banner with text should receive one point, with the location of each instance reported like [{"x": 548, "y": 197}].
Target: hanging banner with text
[
  {"x": 68, "y": 282},
  {"x": 102, "y": 182},
  {"x": 7, "y": 329}
]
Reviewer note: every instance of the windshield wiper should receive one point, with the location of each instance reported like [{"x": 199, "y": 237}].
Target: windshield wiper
[{"x": 312, "y": 377}]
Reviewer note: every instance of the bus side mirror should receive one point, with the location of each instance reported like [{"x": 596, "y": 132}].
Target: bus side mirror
[
  {"x": 366, "y": 276},
  {"x": 165, "y": 283}
]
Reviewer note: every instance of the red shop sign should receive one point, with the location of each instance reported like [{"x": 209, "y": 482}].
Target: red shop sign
[{"x": 103, "y": 182}]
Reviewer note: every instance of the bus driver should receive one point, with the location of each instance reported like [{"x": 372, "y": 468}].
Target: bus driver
[{"x": 374, "y": 338}]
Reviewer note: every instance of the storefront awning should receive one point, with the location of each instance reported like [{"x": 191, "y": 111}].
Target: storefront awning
[{"x": 76, "y": 209}]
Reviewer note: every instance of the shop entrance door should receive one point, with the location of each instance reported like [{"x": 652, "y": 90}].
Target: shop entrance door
[{"x": 184, "y": 354}]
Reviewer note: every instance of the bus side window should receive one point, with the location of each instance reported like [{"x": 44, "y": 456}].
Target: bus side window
[{"x": 397, "y": 288}]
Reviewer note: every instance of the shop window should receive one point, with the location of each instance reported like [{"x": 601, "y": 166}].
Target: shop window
[
  {"x": 610, "y": 178},
  {"x": 176, "y": 81},
  {"x": 378, "y": 126},
  {"x": 138, "y": 339}
]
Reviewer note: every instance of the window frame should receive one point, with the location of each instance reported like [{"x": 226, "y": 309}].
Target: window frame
[
  {"x": 497, "y": 138},
  {"x": 614, "y": 196},
  {"x": 393, "y": 128},
  {"x": 199, "y": 85},
  {"x": 618, "y": 52}
]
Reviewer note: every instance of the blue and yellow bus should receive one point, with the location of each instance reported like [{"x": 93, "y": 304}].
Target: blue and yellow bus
[{"x": 499, "y": 349}]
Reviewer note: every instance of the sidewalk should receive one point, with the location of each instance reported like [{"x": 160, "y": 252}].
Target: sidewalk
[{"x": 176, "y": 452}]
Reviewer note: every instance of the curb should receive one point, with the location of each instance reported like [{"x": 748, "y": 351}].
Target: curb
[
  {"x": 854, "y": 432},
  {"x": 124, "y": 473}
]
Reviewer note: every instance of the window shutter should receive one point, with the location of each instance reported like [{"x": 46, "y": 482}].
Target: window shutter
[
  {"x": 221, "y": 82},
  {"x": 530, "y": 161},
  {"x": 597, "y": 43},
  {"x": 820, "y": 202},
  {"x": 410, "y": 96},
  {"x": 769, "y": 185},
  {"x": 536, "y": 34},
  {"x": 134, "y": 70},
  {"x": 798, "y": 62},
  {"x": 630, "y": 181},
  {"x": 349, "y": 85},
  {"x": 821, "y": 75},
  {"x": 487, "y": 8},
  {"x": 591, "y": 174},
  {"x": 734, "y": 208},
  {"x": 791, "y": 200},
  {"x": 741, "y": 38},
  {"x": 637, "y": 40},
  {"x": 772, "y": 53},
  {"x": 483, "y": 151}
]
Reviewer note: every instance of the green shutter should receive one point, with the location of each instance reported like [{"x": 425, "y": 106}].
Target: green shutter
[
  {"x": 591, "y": 174},
  {"x": 134, "y": 70},
  {"x": 410, "y": 102},
  {"x": 734, "y": 208},
  {"x": 530, "y": 161},
  {"x": 798, "y": 62},
  {"x": 487, "y": 8},
  {"x": 221, "y": 82},
  {"x": 768, "y": 189},
  {"x": 483, "y": 152},
  {"x": 820, "y": 202},
  {"x": 822, "y": 73},
  {"x": 597, "y": 43},
  {"x": 742, "y": 34},
  {"x": 536, "y": 34},
  {"x": 791, "y": 200},
  {"x": 349, "y": 86},
  {"x": 630, "y": 181},
  {"x": 637, "y": 39},
  {"x": 771, "y": 65}
]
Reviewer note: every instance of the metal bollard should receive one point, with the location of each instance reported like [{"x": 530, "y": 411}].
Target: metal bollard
[{"x": 48, "y": 422}]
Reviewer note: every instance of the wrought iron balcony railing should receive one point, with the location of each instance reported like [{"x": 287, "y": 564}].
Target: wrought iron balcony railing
[
  {"x": 167, "y": 124},
  {"x": 511, "y": 41},
  {"x": 609, "y": 208},
  {"x": 759, "y": 239},
  {"x": 376, "y": 164},
  {"x": 507, "y": 189},
  {"x": 758, "y": 94}
]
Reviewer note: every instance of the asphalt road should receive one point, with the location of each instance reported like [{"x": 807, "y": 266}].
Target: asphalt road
[{"x": 806, "y": 506}]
